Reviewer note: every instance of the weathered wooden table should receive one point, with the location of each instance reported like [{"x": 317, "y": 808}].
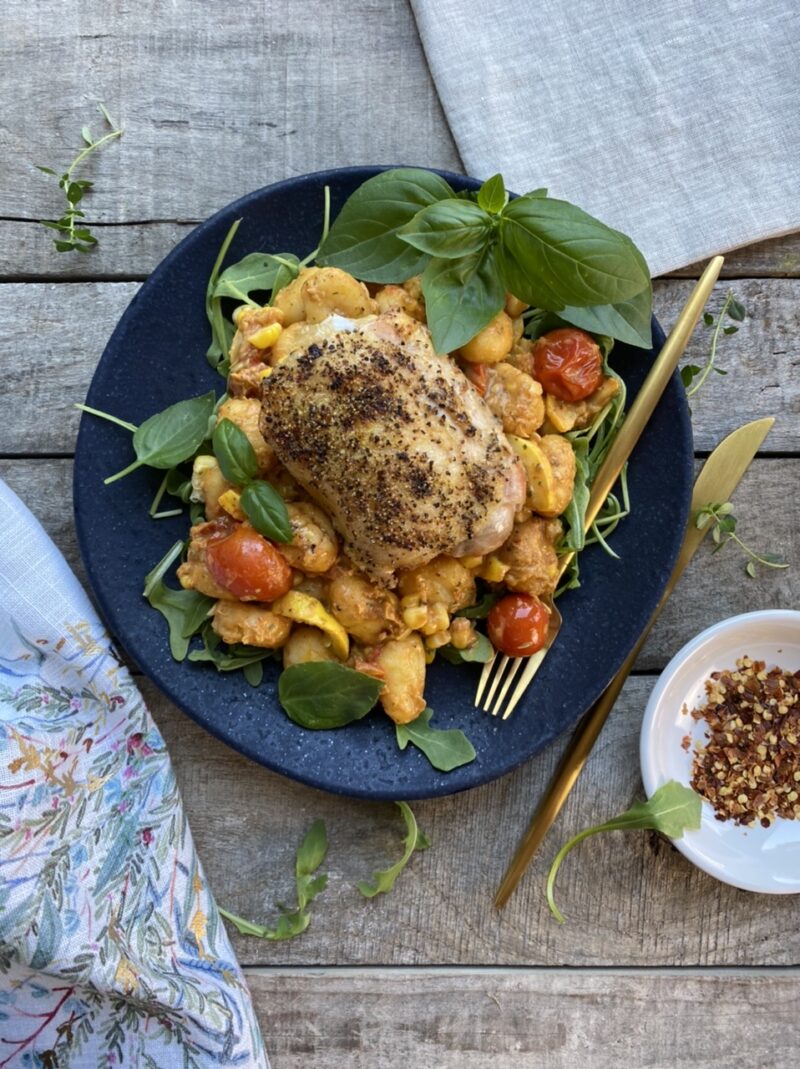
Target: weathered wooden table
[{"x": 658, "y": 965}]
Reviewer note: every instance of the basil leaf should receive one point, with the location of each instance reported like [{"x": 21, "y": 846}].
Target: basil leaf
[
  {"x": 266, "y": 510},
  {"x": 364, "y": 236},
  {"x": 445, "y": 750},
  {"x": 461, "y": 297},
  {"x": 628, "y": 321},
  {"x": 449, "y": 229},
  {"x": 481, "y": 652},
  {"x": 322, "y": 694},
  {"x": 553, "y": 254},
  {"x": 171, "y": 436},
  {"x": 258, "y": 271},
  {"x": 383, "y": 881},
  {"x": 492, "y": 195},
  {"x": 234, "y": 453},
  {"x": 672, "y": 810}
]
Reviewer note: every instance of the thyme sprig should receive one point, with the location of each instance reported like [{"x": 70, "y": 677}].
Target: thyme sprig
[
  {"x": 732, "y": 309},
  {"x": 724, "y": 531},
  {"x": 73, "y": 235}
]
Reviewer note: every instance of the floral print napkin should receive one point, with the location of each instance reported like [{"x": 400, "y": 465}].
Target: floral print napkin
[{"x": 112, "y": 952}]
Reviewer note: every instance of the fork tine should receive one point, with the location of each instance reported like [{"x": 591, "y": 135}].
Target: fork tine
[
  {"x": 487, "y": 671},
  {"x": 531, "y": 668},
  {"x": 498, "y": 705},
  {"x": 497, "y": 678}
]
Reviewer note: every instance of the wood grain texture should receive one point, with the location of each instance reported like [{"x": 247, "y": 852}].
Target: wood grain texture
[
  {"x": 70, "y": 324},
  {"x": 215, "y": 100},
  {"x": 713, "y": 587},
  {"x": 526, "y": 1019}
]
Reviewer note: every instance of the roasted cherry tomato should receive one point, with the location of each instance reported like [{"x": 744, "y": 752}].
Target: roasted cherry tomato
[
  {"x": 568, "y": 363},
  {"x": 249, "y": 566},
  {"x": 518, "y": 625}
]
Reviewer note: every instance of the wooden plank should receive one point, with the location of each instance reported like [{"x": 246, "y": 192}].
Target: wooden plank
[
  {"x": 469, "y": 1019},
  {"x": 212, "y": 107},
  {"x": 72, "y": 322},
  {"x": 713, "y": 588},
  {"x": 133, "y": 250}
]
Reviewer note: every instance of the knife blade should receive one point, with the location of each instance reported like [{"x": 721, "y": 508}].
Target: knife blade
[{"x": 717, "y": 480}]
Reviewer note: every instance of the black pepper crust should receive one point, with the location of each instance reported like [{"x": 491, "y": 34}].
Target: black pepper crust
[{"x": 383, "y": 437}]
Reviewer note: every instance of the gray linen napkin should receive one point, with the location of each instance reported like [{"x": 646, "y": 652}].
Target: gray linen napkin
[{"x": 676, "y": 121}]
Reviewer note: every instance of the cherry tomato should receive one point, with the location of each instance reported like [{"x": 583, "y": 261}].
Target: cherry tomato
[
  {"x": 249, "y": 566},
  {"x": 568, "y": 363},
  {"x": 518, "y": 625}
]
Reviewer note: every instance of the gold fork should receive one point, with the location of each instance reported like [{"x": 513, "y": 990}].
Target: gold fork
[{"x": 608, "y": 473}]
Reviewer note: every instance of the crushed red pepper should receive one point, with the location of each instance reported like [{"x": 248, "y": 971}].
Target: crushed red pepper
[{"x": 749, "y": 768}]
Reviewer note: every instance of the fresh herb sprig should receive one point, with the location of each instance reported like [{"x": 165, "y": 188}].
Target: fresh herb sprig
[
  {"x": 471, "y": 249},
  {"x": 383, "y": 880},
  {"x": 293, "y": 922},
  {"x": 260, "y": 501},
  {"x": 74, "y": 235},
  {"x": 672, "y": 810},
  {"x": 724, "y": 531},
  {"x": 732, "y": 309}
]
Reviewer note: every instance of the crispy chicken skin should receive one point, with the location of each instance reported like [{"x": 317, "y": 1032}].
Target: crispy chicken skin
[{"x": 395, "y": 444}]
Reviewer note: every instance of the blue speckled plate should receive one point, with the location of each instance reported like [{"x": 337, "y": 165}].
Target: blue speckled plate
[{"x": 156, "y": 357}]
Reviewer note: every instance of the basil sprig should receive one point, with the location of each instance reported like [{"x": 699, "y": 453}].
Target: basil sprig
[
  {"x": 260, "y": 501},
  {"x": 471, "y": 250},
  {"x": 323, "y": 694}
]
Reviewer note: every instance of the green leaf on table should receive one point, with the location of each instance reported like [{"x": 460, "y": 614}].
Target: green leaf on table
[
  {"x": 364, "y": 238},
  {"x": 235, "y": 455},
  {"x": 321, "y": 695},
  {"x": 266, "y": 510},
  {"x": 553, "y": 255},
  {"x": 171, "y": 436},
  {"x": 492, "y": 196},
  {"x": 672, "y": 810},
  {"x": 186, "y": 611},
  {"x": 449, "y": 229},
  {"x": 445, "y": 750},
  {"x": 481, "y": 652},
  {"x": 384, "y": 879},
  {"x": 257, "y": 272},
  {"x": 461, "y": 297},
  {"x": 292, "y": 922}
]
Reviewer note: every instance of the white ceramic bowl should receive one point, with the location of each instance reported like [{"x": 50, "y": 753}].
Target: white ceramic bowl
[{"x": 753, "y": 858}]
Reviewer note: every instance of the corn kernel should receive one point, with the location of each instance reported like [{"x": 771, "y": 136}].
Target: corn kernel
[
  {"x": 471, "y": 562},
  {"x": 415, "y": 617},
  {"x": 229, "y": 501},
  {"x": 264, "y": 372},
  {"x": 238, "y": 313},
  {"x": 266, "y": 337},
  {"x": 493, "y": 570},
  {"x": 439, "y": 638}
]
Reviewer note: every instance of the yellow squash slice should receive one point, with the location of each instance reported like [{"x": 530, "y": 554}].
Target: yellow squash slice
[
  {"x": 541, "y": 481},
  {"x": 305, "y": 609}
]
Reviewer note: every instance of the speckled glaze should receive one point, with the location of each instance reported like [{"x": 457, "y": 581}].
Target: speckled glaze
[{"x": 156, "y": 357}]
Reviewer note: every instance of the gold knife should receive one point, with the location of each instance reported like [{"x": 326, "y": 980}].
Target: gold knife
[{"x": 716, "y": 482}]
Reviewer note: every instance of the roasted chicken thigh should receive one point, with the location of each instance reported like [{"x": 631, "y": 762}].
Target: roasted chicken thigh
[{"x": 394, "y": 442}]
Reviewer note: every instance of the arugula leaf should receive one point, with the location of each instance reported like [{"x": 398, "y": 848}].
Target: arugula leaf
[
  {"x": 445, "y": 750},
  {"x": 552, "y": 255},
  {"x": 449, "y": 229},
  {"x": 232, "y": 657},
  {"x": 292, "y": 922},
  {"x": 461, "y": 297},
  {"x": 221, "y": 330},
  {"x": 575, "y": 513},
  {"x": 256, "y": 272},
  {"x": 266, "y": 510},
  {"x": 480, "y": 610},
  {"x": 320, "y": 695},
  {"x": 383, "y": 880},
  {"x": 492, "y": 196},
  {"x": 672, "y": 810},
  {"x": 186, "y": 611},
  {"x": 171, "y": 436},
  {"x": 629, "y": 321},
  {"x": 481, "y": 652},
  {"x": 364, "y": 236},
  {"x": 234, "y": 453}
]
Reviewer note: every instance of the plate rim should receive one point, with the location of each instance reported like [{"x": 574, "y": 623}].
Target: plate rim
[{"x": 648, "y": 739}]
